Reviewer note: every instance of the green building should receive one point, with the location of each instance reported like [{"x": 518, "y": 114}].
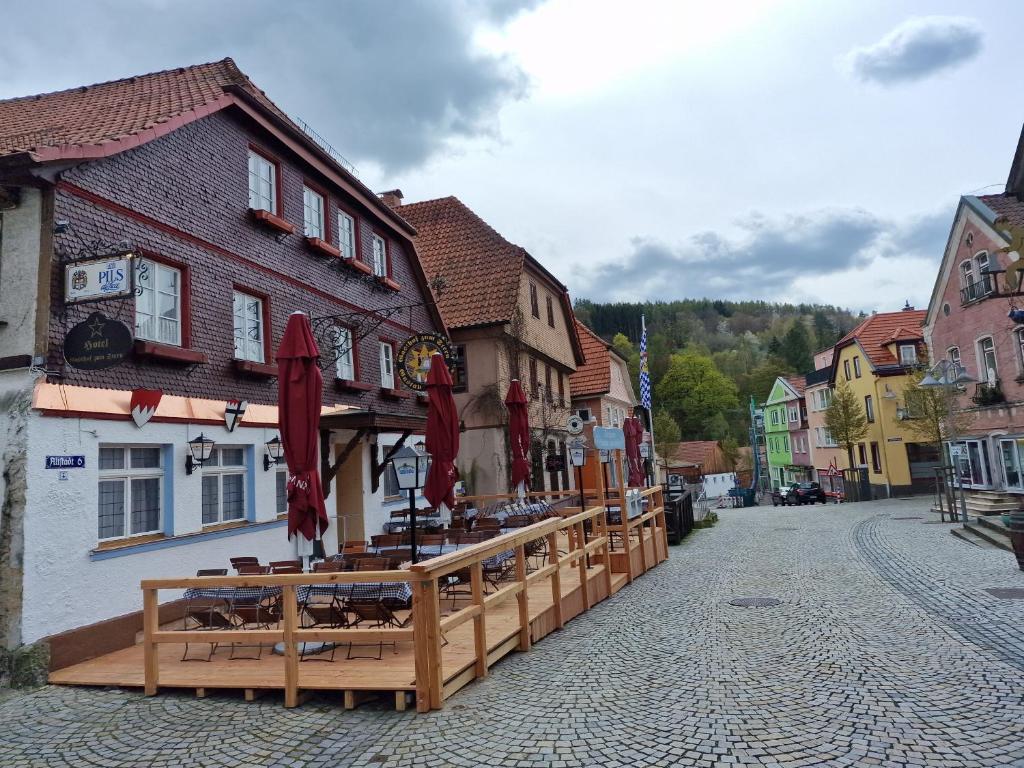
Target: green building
[{"x": 776, "y": 431}]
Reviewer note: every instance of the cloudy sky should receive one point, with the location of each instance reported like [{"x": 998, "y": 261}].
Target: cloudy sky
[{"x": 654, "y": 149}]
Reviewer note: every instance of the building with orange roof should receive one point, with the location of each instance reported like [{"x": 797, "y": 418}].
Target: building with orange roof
[
  {"x": 602, "y": 394},
  {"x": 785, "y": 425},
  {"x": 157, "y": 233},
  {"x": 509, "y": 318},
  {"x": 877, "y": 359}
]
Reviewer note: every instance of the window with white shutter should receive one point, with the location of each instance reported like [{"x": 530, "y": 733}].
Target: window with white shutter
[{"x": 387, "y": 365}]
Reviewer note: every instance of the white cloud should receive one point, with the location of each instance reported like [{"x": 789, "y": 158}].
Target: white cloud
[{"x": 916, "y": 49}]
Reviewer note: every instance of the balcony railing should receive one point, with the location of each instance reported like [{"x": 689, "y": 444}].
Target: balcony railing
[
  {"x": 988, "y": 394},
  {"x": 978, "y": 290}
]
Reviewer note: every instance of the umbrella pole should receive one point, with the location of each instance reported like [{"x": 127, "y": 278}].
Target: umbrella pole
[{"x": 412, "y": 522}]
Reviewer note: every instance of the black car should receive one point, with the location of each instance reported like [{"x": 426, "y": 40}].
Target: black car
[{"x": 806, "y": 493}]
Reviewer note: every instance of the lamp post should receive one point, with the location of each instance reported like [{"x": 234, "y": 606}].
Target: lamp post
[
  {"x": 411, "y": 472},
  {"x": 946, "y": 374},
  {"x": 274, "y": 454}
]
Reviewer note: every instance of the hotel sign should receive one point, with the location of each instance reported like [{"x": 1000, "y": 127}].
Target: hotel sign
[
  {"x": 98, "y": 279},
  {"x": 97, "y": 342},
  {"x": 414, "y": 358}
]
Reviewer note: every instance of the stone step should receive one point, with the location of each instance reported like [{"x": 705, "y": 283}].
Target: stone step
[
  {"x": 968, "y": 535},
  {"x": 992, "y": 522},
  {"x": 991, "y": 535}
]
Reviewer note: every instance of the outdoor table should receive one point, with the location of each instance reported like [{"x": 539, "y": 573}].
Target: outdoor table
[
  {"x": 436, "y": 550},
  {"x": 235, "y": 595},
  {"x": 394, "y": 592}
]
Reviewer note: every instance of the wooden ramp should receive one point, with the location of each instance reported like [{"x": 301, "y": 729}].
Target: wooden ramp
[{"x": 447, "y": 646}]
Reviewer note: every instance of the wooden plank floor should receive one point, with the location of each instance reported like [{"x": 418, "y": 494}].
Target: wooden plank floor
[{"x": 395, "y": 672}]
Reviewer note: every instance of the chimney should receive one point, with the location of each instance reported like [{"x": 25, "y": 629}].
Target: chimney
[
  {"x": 392, "y": 198},
  {"x": 907, "y": 307}
]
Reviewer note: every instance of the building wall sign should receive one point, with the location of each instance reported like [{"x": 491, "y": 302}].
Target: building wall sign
[
  {"x": 65, "y": 462},
  {"x": 97, "y": 342},
  {"x": 98, "y": 279},
  {"x": 414, "y": 358},
  {"x": 609, "y": 439}
]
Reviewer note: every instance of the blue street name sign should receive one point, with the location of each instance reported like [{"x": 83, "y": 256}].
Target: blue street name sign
[{"x": 65, "y": 462}]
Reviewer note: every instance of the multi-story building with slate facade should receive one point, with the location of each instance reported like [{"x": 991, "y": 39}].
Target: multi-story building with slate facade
[{"x": 228, "y": 217}]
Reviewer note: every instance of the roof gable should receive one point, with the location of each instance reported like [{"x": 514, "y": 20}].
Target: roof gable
[
  {"x": 875, "y": 334},
  {"x": 594, "y": 377}
]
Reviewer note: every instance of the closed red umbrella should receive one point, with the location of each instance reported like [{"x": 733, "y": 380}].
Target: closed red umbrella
[
  {"x": 298, "y": 406},
  {"x": 518, "y": 436},
  {"x": 442, "y": 437},
  {"x": 634, "y": 434}
]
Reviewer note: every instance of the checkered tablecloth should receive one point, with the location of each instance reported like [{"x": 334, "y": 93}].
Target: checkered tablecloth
[
  {"x": 237, "y": 595},
  {"x": 389, "y": 591}
]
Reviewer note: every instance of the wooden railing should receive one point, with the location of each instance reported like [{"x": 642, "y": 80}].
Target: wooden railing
[{"x": 428, "y": 627}]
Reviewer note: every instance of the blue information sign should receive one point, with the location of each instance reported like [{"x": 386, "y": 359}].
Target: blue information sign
[
  {"x": 65, "y": 462},
  {"x": 609, "y": 439}
]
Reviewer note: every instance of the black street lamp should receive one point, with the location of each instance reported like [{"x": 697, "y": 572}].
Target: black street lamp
[
  {"x": 274, "y": 454},
  {"x": 411, "y": 472},
  {"x": 199, "y": 449}
]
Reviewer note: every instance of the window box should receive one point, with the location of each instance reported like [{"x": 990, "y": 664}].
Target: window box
[
  {"x": 323, "y": 247},
  {"x": 390, "y": 393},
  {"x": 388, "y": 282},
  {"x": 359, "y": 266},
  {"x": 272, "y": 221},
  {"x": 254, "y": 369},
  {"x": 354, "y": 386},
  {"x": 167, "y": 353}
]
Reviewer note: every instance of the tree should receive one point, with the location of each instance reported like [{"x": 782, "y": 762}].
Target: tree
[
  {"x": 693, "y": 391},
  {"x": 796, "y": 347},
  {"x": 932, "y": 411},
  {"x": 824, "y": 330},
  {"x": 845, "y": 419},
  {"x": 622, "y": 345},
  {"x": 731, "y": 451},
  {"x": 718, "y": 427},
  {"x": 759, "y": 381},
  {"x": 666, "y": 436}
]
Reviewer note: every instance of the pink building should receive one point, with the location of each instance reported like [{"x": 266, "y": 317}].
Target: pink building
[
  {"x": 968, "y": 324},
  {"x": 800, "y": 446}
]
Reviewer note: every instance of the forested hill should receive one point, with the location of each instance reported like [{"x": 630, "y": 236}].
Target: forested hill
[{"x": 708, "y": 357}]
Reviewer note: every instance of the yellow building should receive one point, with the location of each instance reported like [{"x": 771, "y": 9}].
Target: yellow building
[{"x": 877, "y": 359}]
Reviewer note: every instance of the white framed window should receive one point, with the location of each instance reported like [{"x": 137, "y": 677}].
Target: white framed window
[
  {"x": 775, "y": 417},
  {"x": 380, "y": 256},
  {"x": 846, "y": 369},
  {"x": 966, "y": 273},
  {"x": 391, "y": 488},
  {"x": 262, "y": 183},
  {"x": 387, "y": 365},
  {"x": 281, "y": 485},
  {"x": 953, "y": 354},
  {"x": 345, "y": 365},
  {"x": 312, "y": 213},
  {"x": 988, "y": 371},
  {"x": 794, "y": 414},
  {"x": 248, "y": 316},
  {"x": 224, "y": 486},
  {"x": 908, "y": 354},
  {"x": 158, "y": 302},
  {"x": 971, "y": 463},
  {"x": 785, "y": 442},
  {"x": 869, "y": 408},
  {"x": 346, "y": 235},
  {"x": 130, "y": 491},
  {"x": 856, "y": 367}
]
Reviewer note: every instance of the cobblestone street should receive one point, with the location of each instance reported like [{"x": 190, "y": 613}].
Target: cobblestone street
[{"x": 885, "y": 650}]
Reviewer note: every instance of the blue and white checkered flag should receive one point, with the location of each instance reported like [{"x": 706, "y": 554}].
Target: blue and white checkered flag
[{"x": 645, "y": 374}]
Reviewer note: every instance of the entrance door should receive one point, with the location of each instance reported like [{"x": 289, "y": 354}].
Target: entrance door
[{"x": 349, "y": 494}]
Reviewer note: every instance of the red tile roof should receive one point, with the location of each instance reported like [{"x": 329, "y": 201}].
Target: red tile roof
[
  {"x": 481, "y": 269},
  {"x": 881, "y": 329},
  {"x": 706, "y": 453},
  {"x": 594, "y": 377},
  {"x": 1006, "y": 205},
  {"x": 116, "y": 111},
  {"x": 797, "y": 383}
]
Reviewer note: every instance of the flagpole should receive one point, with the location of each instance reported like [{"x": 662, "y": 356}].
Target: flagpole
[{"x": 647, "y": 406}]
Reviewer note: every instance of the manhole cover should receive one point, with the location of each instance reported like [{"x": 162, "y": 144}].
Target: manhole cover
[
  {"x": 755, "y": 602},
  {"x": 912, "y": 517},
  {"x": 1006, "y": 593}
]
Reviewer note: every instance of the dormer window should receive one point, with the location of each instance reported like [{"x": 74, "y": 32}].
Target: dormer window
[{"x": 908, "y": 354}]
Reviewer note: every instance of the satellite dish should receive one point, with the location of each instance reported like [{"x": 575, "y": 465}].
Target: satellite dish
[{"x": 574, "y": 425}]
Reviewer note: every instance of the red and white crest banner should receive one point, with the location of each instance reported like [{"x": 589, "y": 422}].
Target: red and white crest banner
[{"x": 144, "y": 403}]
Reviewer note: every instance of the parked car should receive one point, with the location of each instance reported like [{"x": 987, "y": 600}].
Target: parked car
[
  {"x": 779, "y": 495},
  {"x": 806, "y": 493}
]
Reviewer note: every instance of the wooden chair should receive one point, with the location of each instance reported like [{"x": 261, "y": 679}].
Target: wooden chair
[
  {"x": 327, "y": 566},
  {"x": 487, "y": 523},
  {"x": 253, "y": 570},
  {"x": 353, "y": 546},
  {"x": 212, "y": 572},
  {"x": 386, "y": 540},
  {"x": 371, "y": 564},
  {"x": 284, "y": 563},
  {"x": 285, "y": 569},
  {"x": 237, "y": 561},
  {"x": 373, "y": 614}
]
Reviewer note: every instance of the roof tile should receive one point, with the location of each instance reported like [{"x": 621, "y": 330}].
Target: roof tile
[
  {"x": 594, "y": 377},
  {"x": 879, "y": 330}
]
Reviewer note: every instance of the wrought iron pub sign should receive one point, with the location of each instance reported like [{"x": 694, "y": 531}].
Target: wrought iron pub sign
[{"x": 97, "y": 342}]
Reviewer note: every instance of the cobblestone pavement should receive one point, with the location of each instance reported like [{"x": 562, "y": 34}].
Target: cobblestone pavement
[{"x": 885, "y": 650}]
